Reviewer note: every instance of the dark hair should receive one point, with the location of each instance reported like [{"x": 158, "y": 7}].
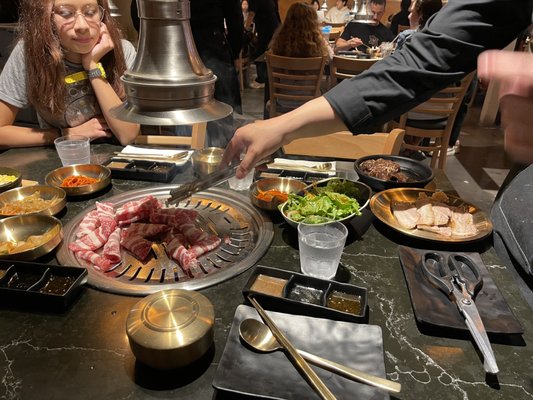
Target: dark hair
[
  {"x": 315, "y": 1},
  {"x": 299, "y": 35},
  {"x": 405, "y": 4},
  {"x": 380, "y": 2},
  {"x": 425, "y": 9}
]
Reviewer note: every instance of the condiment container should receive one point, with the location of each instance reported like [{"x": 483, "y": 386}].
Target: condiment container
[{"x": 171, "y": 328}]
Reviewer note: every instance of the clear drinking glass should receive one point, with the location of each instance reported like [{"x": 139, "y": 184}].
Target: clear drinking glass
[
  {"x": 73, "y": 149},
  {"x": 321, "y": 248},
  {"x": 242, "y": 184}
]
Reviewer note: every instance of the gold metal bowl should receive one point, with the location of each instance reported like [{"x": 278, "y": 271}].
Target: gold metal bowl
[
  {"x": 365, "y": 193},
  {"x": 284, "y": 185},
  {"x": 20, "y": 228},
  {"x": 10, "y": 185},
  {"x": 171, "y": 328},
  {"x": 206, "y": 161},
  {"x": 45, "y": 193},
  {"x": 103, "y": 174}
]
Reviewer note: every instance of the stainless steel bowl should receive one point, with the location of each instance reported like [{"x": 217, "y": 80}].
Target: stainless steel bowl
[
  {"x": 206, "y": 161},
  {"x": 363, "y": 200},
  {"x": 10, "y": 185},
  {"x": 171, "y": 328},
  {"x": 45, "y": 193},
  {"x": 103, "y": 174},
  {"x": 19, "y": 228},
  {"x": 285, "y": 185}
]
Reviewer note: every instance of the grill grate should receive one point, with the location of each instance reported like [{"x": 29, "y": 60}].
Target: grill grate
[{"x": 229, "y": 215}]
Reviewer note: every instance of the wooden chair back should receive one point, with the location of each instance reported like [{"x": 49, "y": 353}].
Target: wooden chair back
[
  {"x": 434, "y": 120},
  {"x": 346, "y": 67},
  {"x": 334, "y": 35},
  {"x": 292, "y": 81},
  {"x": 195, "y": 141},
  {"x": 242, "y": 64},
  {"x": 344, "y": 145}
]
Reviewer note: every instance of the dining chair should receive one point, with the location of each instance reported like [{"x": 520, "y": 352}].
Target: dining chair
[
  {"x": 428, "y": 126},
  {"x": 292, "y": 81},
  {"x": 334, "y": 35},
  {"x": 156, "y": 136},
  {"x": 346, "y": 67},
  {"x": 242, "y": 64},
  {"x": 345, "y": 145}
]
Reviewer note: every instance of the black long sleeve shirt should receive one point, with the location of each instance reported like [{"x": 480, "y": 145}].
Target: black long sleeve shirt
[{"x": 440, "y": 54}]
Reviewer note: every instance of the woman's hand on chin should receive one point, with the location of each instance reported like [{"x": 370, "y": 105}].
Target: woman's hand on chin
[
  {"x": 94, "y": 128},
  {"x": 103, "y": 46}
]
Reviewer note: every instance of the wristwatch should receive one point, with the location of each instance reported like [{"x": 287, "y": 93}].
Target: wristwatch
[{"x": 98, "y": 72}]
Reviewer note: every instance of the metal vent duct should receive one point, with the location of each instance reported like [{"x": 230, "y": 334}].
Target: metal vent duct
[
  {"x": 168, "y": 84},
  {"x": 113, "y": 9},
  {"x": 362, "y": 15}
]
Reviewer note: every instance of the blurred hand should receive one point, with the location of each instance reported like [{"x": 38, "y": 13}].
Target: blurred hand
[
  {"x": 257, "y": 141},
  {"x": 101, "y": 48},
  {"x": 355, "y": 42},
  {"x": 515, "y": 72},
  {"x": 93, "y": 129}
]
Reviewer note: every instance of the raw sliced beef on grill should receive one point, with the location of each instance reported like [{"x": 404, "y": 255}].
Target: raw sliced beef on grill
[
  {"x": 137, "y": 210},
  {"x": 112, "y": 247},
  {"x": 173, "y": 216},
  {"x": 88, "y": 224},
  {"x": 145, "y": 230},
  {"x": 406, "y": 214},
  {"x": 176, "y": 249},
  {"x": 205, "y": 245},
  {"x": 139, "y": 246},
  {"x": 105, "y": 209},
  {"x": 96, "y": 259},
  {"x": 93, "y": 240}
]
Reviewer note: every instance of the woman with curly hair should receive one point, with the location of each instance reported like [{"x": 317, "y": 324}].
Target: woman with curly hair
[
  {"x": 67, "y": 65},
  {"x": 299, "y": 35}
]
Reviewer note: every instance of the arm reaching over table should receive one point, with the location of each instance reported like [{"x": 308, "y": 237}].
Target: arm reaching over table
[
  {"x": 515, "y": 72},
  {"x": 435, "y": 57}
]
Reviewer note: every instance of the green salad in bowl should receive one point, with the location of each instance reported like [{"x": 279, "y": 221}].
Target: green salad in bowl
[{"x": 333, "y": 199}]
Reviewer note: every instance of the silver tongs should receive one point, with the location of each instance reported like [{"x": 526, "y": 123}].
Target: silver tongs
[{"x": 188, "y": 189}]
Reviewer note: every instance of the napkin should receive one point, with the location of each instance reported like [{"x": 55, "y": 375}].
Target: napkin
[
  {"x": 303, "y": 165},
  {"x": 134, "y": 150}
]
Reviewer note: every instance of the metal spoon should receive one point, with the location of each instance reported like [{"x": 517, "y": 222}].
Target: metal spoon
[{"x": 258, "y": 336}]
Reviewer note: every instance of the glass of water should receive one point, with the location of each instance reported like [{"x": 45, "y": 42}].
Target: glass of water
[
  {"x": 73, "y": 149},
  {"x": 321, "y": 248}
]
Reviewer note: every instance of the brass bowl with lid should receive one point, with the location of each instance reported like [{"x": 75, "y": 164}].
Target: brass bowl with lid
[
  {"x": 206, "y": 161},
  {"x": 171, "y": 328}
]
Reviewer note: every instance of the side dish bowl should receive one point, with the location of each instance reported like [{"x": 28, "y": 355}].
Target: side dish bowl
[
  {"x": 418, "y": 174},
  {"x": 99, "y": 172},
  {"x": 363, "y": 198},
  {"x": 12, "y": 183},
  {"x": 283, "y": 185},
  {"x": 46, "y": 230},
  {"x": 27, "y": 200}
]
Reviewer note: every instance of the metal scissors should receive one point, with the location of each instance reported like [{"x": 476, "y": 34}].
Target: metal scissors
[{"x": 460, "y": 279}]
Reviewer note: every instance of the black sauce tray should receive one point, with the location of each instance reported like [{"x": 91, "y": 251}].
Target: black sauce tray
[
  {"x": 307, "y": 177},
  {"x": 142, "y": 170},
  {"x": 39, "y": 286},
  {"x": 305, "y": 295}
]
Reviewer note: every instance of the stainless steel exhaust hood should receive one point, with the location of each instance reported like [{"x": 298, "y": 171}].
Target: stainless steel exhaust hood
[{"x": 168, "y": 83}]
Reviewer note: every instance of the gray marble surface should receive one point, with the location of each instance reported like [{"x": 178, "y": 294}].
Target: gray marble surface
[{"x": 83, "y": 353}]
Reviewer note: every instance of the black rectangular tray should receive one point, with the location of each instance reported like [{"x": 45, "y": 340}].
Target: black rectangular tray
[
  {"x": 39, "y": 286},
  {"x": 143, "y": 170},
  {"x": 300, "y": 288}
]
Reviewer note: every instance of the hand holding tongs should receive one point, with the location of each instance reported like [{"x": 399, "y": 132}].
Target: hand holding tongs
[{"x": 460, "y": 279}]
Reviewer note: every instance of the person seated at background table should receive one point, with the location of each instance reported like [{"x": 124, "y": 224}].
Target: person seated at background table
[
  {"x": 357, "y": 35},
  {"x": 299, "y": 36},
  {"x": 338, "y": 14},
  {"x": 319, "y": 13},
  {"x": 400, "y": 18},
  {"x": 419, "y": 13},
  {"x": 67, "y": 65}
]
